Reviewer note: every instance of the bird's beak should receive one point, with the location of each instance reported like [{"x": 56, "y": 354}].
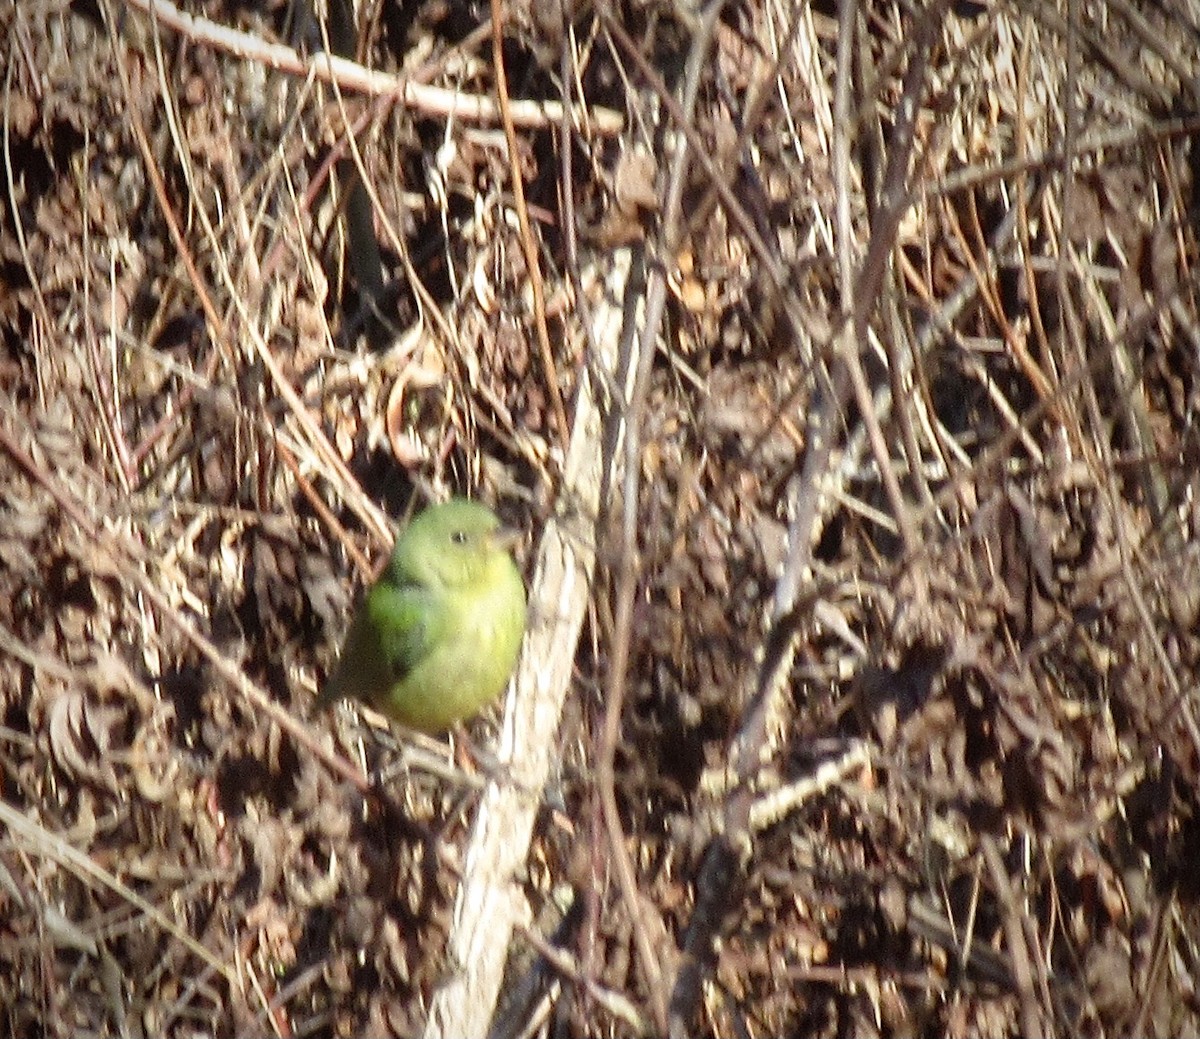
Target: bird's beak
[{"x": 506, "y": 538}]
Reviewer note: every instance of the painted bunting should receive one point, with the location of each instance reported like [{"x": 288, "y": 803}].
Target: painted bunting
[{"x": 436, "y": 637}]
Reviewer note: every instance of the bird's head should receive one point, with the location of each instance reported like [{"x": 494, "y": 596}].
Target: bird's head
[{"x": 450, "y": 545}]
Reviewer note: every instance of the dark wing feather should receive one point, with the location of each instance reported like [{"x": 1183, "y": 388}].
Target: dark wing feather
[{"x": 409, "y": 621}]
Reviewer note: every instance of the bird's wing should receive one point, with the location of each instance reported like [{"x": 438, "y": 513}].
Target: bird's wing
[{"x": 410, "y": 620}]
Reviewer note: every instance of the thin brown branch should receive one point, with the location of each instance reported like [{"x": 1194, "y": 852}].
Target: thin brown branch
[
  {"x": 351, "y": 76},
  {"x": 533, "y": 263}
]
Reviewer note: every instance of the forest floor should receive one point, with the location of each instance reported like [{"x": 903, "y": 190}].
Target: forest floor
[{"x": 867, "y": 697}]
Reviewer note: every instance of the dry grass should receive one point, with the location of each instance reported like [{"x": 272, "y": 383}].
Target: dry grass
[{"x": 877, "y": 713}]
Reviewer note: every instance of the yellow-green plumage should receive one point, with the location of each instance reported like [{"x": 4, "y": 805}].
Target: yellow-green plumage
[{"x": 436, "y": 638}]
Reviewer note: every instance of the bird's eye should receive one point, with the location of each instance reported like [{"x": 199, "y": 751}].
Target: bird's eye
[{"x": 459, "y": 537}]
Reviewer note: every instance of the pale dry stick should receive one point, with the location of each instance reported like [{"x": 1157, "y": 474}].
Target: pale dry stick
[
  {"x": 844, "y": 240},
  {"x": 263, "y": 1001},
  {"x": 806, "y": 494},
  {"x": 490, "y": 900},
  {"x": 808, "y": 50},
  {"x": 617, "y": 1005},
  {"x": 569, "y": 74},
  {"x": 895, "y": 200},
  {"x": 22, "y": 651},
  {"x": 900, "y": 398},
  {"x": 937, "y": 925},
  {"x": 849, "y": 346},
  {"x": 45, "y": 843},
  {"x": 105, "y": 389},
  {"x": 638, "y": 352},
  {"x": 1032, "y": 1022},
  {"x": 771, "y": 807},
  {"x": 1035, "y": 306},
  {"x": 1093, "y": 147},
  {"x": 969, "y": 950},
  {"x": 351, "y": 76}
]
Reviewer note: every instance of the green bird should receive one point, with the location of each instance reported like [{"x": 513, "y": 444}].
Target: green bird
[{"x": 436, "y": 637}]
